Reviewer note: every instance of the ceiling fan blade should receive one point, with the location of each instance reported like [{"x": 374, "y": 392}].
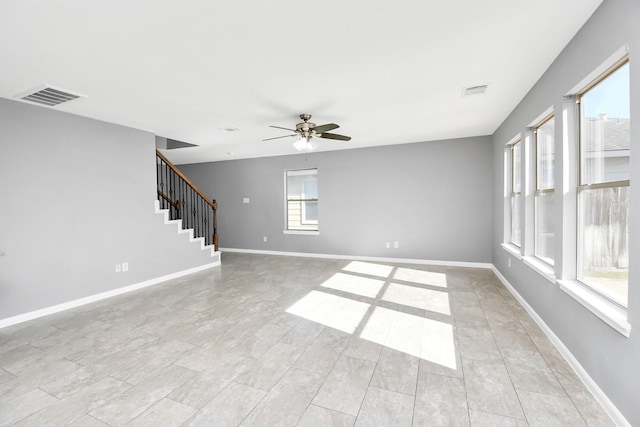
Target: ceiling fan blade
[
  {"x": 278, "y": 137},
  {"x": 324, "y": 128},
  {"x": 335, "y": 136},
  {"x": 279, "y": 127}
]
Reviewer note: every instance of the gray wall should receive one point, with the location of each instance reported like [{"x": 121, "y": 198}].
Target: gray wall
[
  {"x": 609, "y": 358},
  {"x": 433, "y": 198},
  {"x": 77, "y": 197}
]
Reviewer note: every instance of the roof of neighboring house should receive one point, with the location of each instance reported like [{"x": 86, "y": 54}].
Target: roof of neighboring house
[{"x": 614, "y": 131}]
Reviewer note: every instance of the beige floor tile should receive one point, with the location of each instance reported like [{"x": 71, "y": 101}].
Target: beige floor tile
[
  {"x": 385, "y": 408},
  {"x": 268, "y": 370},
  {"x": 529, "y": 371},
  {"x": 76, "y": 406},
  {"x": 259, "y": 343},
  {"x": 136, "y": 400},
  {"x": 323, "y": 352},
  {"x": 363, "y": 349},
  {"x": 19, "y": 407},
  {"x": 316, "y": 416},
  {"x": 484, "y": 419},
  {"x": 593, "y": 413},
  {"x": 165, "y": 413},
  {"x": 287, "y": 401},
  {"x": 346, "y": 385},
  {"x": 478, "y": 344},
  {"x": 396, "y": 371},
  {"x": 321, "y": 341},
  {"x": 88, "y": 421},
  {"x": 489, "y": 388},
  {"x": 303, "y": 334},
  {"x": 228, "y": 408},
  {"x": 440, "y": 401},
  {"x": 150, "y": 360},
  {"x": 549, "y": 411},
  {"x": 204, "y": 386}
]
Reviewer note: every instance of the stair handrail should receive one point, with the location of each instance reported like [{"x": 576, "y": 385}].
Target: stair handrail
[{"x": 176, "y": 203}]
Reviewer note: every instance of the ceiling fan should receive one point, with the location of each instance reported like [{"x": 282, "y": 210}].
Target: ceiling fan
[{"x": 307, "y": 131}]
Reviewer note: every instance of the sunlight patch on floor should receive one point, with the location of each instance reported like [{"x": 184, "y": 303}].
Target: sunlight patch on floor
[
  {"x": 421, "y": 277},
  {"x": 330, "y": 310},
  {"x": 368, "y": 268},
  {"x": 425, "y": 299},
  {"x": 412, "y": 334},
  {"x": 357, "y": 285},
  {"x": 427, "y": 339},
  {"x": 437, "y": 343}
]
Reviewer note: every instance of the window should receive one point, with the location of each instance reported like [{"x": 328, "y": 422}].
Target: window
[
  {"x": 302, "y": 200},
  {"x": 516, "y": 190},
  {"x": 603, "y": 190},
  {"x": 544, "y": 194}
]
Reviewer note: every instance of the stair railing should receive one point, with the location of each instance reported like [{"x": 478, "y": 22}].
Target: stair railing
[{"x": 185, "y": 201}]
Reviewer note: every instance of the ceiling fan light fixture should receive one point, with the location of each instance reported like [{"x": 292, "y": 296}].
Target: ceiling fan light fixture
[{"x": 305, "y": 144}]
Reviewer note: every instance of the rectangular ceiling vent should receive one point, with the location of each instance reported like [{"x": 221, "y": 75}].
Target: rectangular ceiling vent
[
  {"x": 50, "y": 96},
  {"x": 474, "y": 90}
]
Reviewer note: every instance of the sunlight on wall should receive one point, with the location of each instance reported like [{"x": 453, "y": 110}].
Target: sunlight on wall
[{"x": 416, "y": 335}]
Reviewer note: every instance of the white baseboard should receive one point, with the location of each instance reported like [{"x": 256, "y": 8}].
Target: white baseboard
[
  {"x": 362, "y": 258},
  {"x": 97, "y": 297},
  {"x": 597, "y": 392}
]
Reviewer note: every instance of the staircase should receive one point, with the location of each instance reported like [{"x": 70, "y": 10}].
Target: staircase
[{"x": 184, "y": 204}]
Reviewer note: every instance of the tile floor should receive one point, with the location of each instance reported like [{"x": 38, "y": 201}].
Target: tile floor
[{"x": 281, "y": 341}]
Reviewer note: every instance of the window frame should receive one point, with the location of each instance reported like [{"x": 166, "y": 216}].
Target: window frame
[
  {"x": 538, "y": 190},
  {"x": 583, "y": 186},
  {"x": 302, "y": 200},
  {"x": 515, "y": 196}
]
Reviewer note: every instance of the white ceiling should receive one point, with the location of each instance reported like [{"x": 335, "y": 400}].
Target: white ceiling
[{"x": 386, "y": 72}]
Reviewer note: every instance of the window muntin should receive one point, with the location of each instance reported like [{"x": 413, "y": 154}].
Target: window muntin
[
  {"x": 544, "y": 194},
  {"x": 302, "y": 199},
  {"x": 516, "y": 192},
  {"x": 603, "y": 190}
]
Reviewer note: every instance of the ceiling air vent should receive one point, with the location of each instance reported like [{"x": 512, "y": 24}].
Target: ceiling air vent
[
  {"x": 474, "y": 90},
  {"x": 48, "y": 95}
]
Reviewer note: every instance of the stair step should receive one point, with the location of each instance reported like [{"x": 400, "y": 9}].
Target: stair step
[{"x": 178, "y": 223}]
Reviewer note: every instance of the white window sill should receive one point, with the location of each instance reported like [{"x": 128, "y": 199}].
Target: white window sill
[
  {"x": 512, "y": 249},
  {"x": 610, "y": 313},
  {"x": 541, "y": 267},
  {"x": 302, "y": 232}
]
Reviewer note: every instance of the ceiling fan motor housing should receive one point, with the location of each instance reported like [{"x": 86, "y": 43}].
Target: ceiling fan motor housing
[{"x": 305, "y": 127}]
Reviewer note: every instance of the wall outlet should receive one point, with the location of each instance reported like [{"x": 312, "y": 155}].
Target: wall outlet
[
  {"x": 118, "y": 268},
  {"x": 264, "y": 239},
  {"x": 245, "y": 200},
  {"x": 125, "y": 266},
  {"x": 396, "y": 245},
  {"x": 388, "y": 245}
]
